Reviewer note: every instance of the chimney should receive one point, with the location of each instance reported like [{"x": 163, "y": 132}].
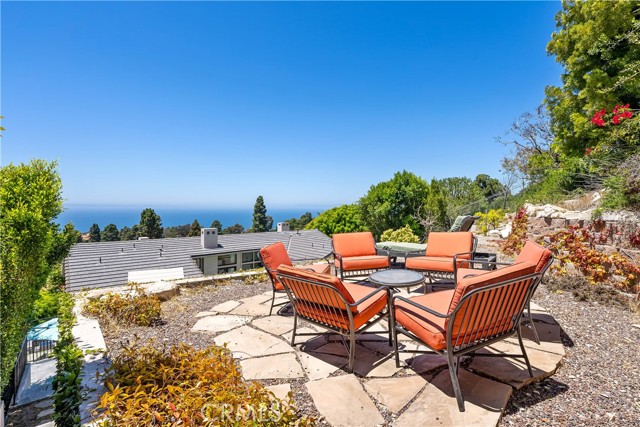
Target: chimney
[
  {"x": 283, "y": 226},
  {"x": 209, "y": 238}
]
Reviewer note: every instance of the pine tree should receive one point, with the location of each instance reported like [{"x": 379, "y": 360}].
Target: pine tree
[
  {"x": 110, "y": 233},
  {"x": 150, "y": 224},
  {"x": 216, "y": 224},
  {"x": 94, "y": 233},
  {"x": 195, "y": 229},
  {"x": 260, "y": 219}
]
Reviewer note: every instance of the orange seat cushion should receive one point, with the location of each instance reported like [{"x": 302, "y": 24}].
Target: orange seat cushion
[
  {"x": 363, "y": 262},
  {"x": 441, "y": 244},
  {"x": 354, "y": 244},
  {"x": 468, "y": 272},
  {"x": 431, "y": 263},
  {"x": 273, "y": 256},
  {"x": 306, "y": 291},
  {"x": 429, "y": 328},
  {"x": 534, "y": 253},
  {"x": 340, "y": 318}
]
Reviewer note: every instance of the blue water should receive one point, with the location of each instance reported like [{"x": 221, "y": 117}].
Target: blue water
[
  {"x": 44, "y": 331},
  {"x": 83, "y": 216}
]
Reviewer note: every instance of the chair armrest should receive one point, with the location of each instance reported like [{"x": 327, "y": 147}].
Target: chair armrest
[
  {"x": 412, "y": 254},
  {"x": 420, "y": 306},
  {"x": 384, "y": 252},
  {"x": 369, "y": 295}
]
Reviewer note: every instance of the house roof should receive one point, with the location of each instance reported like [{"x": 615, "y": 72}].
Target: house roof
[{"x": 103, "y": 264}]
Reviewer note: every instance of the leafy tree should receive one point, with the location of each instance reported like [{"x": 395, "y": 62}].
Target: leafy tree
[
  {"x": 30, "y": 199},
  {"x": 150, "y": 224},
  {"x": 110, "y": 233},
  {"x": 177, "y": 231},
  {"x": 94, "y": 233},
  {"x": 342, "y": 219},
  {"x": 394, "y": 203},
  {"x": 404, "y": 234},
  {"x": 269, "y": 222},
  {"x": 300, "y": 223},
  {"x": 195, "y": 229},
  {"x": 216, "y": 224},
  {"x": 234, "y": 229},
  {"x": 260, "y": 220},
  {"x": 132, "y": 233},
  {"x": 598, "y": 44},
  {"x": 62, "y": 242},
  {"x": 491, "y": 187}
]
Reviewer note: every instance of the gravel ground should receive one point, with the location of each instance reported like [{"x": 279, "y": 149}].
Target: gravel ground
[{"x": 598, "y": 384}]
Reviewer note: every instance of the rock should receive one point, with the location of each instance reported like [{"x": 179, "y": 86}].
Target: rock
[
  {"x": 395, "y": 393},
  {"x": 506, "y": 231},
  {"x": 280, "y": 366},
  {"x": 163, "y": 290}
]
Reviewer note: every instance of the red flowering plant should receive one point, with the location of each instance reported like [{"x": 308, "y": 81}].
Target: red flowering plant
[{"x": 617, "y": 115}]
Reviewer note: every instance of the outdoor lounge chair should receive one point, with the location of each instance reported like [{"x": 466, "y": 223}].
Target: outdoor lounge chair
[
  {"x": 355, "y": 254},
  {"x": 324, "y": 300},
  {"x": 532, "y": 252},
  {"x": 463, "y": 223},
  {"x": 275, "y": 255},
  {"x": 480, "y": 311},
  {"x": 444, "y": 251}
]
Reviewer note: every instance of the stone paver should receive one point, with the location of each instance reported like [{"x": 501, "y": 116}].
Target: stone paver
[
  {"x": 320, "y": 365},
  {"x": 272, "y": 367},
  {"x": 395, "y": 393},
  {"x": 550, "y": 340},
  {"x": 436, "y": 405},
  {"x": 313, "y": 341},
  {"x": 281, "y": 391},
  {"x": 514, "y": 371},
  {"x": 343, "y": 402},
  {"x": 220, "y": 323},
  {"x": 251, "y": 309},
  {"x": 422, "y": 363},
  {"x": 256, "y": 299},
  {"x": 206, "y": 313},
  {"x": 248, "y": 342},
  {"x": 276, "y": 325},
  {"x": 225, "y": 307}
]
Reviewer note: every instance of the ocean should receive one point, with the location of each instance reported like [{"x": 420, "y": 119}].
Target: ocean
[{"x": 84, "y": 216}]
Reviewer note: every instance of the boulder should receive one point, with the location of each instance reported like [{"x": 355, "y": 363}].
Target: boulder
[{"x": 163, "y": 290}]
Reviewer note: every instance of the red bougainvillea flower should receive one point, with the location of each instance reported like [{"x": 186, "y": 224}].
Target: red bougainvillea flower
[
  {"x": 597, "y": 118},
  {"x": 588, "y": 152},
  {"x": 621, "y": 112}
]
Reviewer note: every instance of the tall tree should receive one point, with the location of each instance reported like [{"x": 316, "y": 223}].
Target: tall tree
[
  {"x": 195, "y": 229},
  {"x": 598, "y": 44},
  {"x": 234, "y": 229},
  {"x": 260, "y": 220},
  {"x": 341, "y": 219},
  {"x": 132, "y": 233},
  {"x": 216, "y": 224},
  {"x": 94, "y": 233},
  {"x": 150, "y": 224},
  {"x": 110, "y": 233}
]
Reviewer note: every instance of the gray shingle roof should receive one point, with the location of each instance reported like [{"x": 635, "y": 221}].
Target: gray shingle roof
[{"x": 103, "y": 264}]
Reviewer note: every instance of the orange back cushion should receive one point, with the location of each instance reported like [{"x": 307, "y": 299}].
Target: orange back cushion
[
  {"x": 468, "y": 284},
  {"x": 273, "y": 256},
  {"x": 316, "y": 294},
  {"x": 534, "y": 253},
  {"x": 354, "y": 244},
  {"x": 441, "y": 244}
]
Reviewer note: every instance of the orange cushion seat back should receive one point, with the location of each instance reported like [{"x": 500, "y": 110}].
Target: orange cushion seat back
[
  {"x": 314, "y": 295},
  {"x": 273, "y": 256},
  {"x": 534, "y": 253},
  {"x": 354, "y": 244},
  {"x": 442, "y": 244}
]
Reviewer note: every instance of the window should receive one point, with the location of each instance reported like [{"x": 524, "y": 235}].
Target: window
[
  {"x": 229, "y": 259},
  {"x": 200, "y": 263},
  {"x": 250, "y": 260}
]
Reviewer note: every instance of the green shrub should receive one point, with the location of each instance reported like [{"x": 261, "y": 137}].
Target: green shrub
[
  {"x": 342, "y": 219},
  {"x": 47, "y": 305},
  {"x": 185, "y": 386},
  {"x": 490, "y": 220},
  {"x": 67, "y": 382},
  {"x": 404, "y": 234},
  {"x": 133, "y": 307}
]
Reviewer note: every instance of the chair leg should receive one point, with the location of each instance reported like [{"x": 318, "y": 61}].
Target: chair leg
[
  {"x": 295, "y": 327},
  {"x": 352, "y": 349},
  {"x": 396, "y": 348},
  {"x": 390, "y": 322},
  {"x": 453, "y": 373},
  {"x": 536, "y": 338},
  {"x": 524, "y": 352},
  {"x": 273, "y": 300}
]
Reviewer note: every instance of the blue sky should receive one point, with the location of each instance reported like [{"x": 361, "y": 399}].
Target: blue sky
[{"x": 308, "y": 104}]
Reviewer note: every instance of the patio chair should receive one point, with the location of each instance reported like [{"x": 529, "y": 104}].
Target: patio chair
[
  {"x": 324, "y": 300},
  {"x": 355, "y": 254},
  {"x": 537, "y": 254},
  {"x": 275, "y": 255},
  {"x": 444, "y": 251},
  {"x": 480, "y": 311},
  {"x": 463, "y": 223}
]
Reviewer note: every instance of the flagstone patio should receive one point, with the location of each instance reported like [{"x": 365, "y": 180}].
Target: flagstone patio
[{"x": 418, "y": 393}]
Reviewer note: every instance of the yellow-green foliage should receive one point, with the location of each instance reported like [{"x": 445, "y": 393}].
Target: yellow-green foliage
[
  {"x": 404, "y": 234},
  {"x": 187, "y": 387},
  {"x": 490, "y": 220},
  {"x": 134, "y": 307}
]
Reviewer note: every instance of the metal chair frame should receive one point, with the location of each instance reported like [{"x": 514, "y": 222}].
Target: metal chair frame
[
  {"x": 270, "y": 273},
  {"x": 364, "y": 272},
  {"x": 329, "y": 299},
  {"x": 504, "y": 296}
]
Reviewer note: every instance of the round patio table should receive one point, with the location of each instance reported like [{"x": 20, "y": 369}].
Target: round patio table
[{"x": 397, "y": 278}]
